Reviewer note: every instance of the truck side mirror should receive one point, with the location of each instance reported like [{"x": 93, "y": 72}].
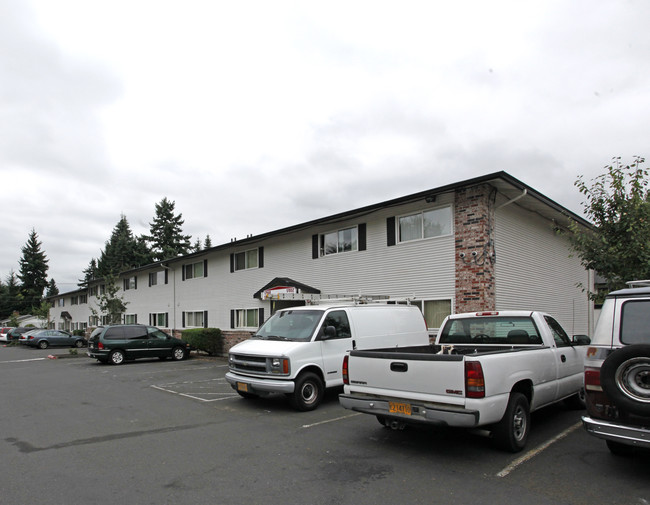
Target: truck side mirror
[{"x": 581, "y": 340}]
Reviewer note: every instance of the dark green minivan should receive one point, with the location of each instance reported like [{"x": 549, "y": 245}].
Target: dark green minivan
[{"x": 116, "y": 343}]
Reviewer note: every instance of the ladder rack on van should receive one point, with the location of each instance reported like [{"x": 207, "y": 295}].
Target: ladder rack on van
[
  {"x": 639, "y": 284},
  {"x": 313, "y": 298}
]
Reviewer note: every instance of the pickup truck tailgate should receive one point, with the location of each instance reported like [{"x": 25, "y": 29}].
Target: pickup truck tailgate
[{"x": 409, "y": 375}]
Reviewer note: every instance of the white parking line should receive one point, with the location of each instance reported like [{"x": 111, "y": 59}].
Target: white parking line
[
  {"x": 23, "y": 360},
  {"x": 330, "y": 420},
  {"x": 531, "y": 454},
  {"x": 224, "y": 396}
]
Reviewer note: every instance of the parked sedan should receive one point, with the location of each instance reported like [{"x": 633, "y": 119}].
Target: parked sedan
[{"x": 44, "y": 338}]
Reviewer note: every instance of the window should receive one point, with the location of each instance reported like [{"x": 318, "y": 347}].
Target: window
[
  {"x": 83, "y": 298},
  {"x": 195, "y": 319},
  {"x": 246, "y": 318},
  {"x": 74, "y": 300},
  {"x": 338, "y": 319},
  {"x": 130, "y": 283},
  {"x": 93, "y": 321},
  {"x": 245, "y": 260},
  {"x": 434, "y": 311},
  {"x": 559, "y": 335},
  {"x": 93, "y": 291},
  {"x": 61, "y": 302},
  {"x": 634, "y": 326},
  {"x": 339, "y": 241},
  {"x": 427, "y": 224},
  {"x": 156, "y": 278},
  {"x": 130, "y": 319},
  {"x": 195, "y": 270},
  {"x": 159, "y": 319}
]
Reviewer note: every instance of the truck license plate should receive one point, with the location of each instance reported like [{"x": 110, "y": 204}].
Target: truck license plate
[
  {"x": 399, "y": 408},
  {"x": 242, "y": 386}
]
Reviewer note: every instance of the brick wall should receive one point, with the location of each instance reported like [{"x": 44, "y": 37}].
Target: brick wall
[{"x": 474, "y": 249}]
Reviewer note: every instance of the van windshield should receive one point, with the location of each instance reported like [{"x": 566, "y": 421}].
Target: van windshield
[{"x": 293, "y": 325}]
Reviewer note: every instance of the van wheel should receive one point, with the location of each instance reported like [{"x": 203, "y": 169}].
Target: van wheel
[
  {"x": 178, "y": 353},
  {"x": 511, "y": 433},
  {"x": 116, "y": 357},
  {"x": 625, "y": 378},
  {"x": 308, "y": 393}
]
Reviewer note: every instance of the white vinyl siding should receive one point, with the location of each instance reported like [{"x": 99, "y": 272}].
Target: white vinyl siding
[{"x": 533, "y": 269}]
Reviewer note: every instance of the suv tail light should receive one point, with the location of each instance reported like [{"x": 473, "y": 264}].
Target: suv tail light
[
  {"x": 100, "y": 346},
  {"x": 592, "y": 379},
  {"x": 474, "y": 380},
  {"x": 346, "y": 376}
]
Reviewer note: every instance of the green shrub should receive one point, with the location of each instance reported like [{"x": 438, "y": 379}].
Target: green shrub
[
  {"x": 79, "y": 333},
  {"x": 208, "y": 340}
]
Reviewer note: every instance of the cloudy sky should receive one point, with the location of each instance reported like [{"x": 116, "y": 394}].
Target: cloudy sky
[{"x": 256, "y": 115}]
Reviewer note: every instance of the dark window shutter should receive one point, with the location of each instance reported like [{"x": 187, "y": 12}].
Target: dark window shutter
[
  {"x": 135, "y": 282},
  {"x": 166, "y": 319},
  {"x": 136, "y": 319},
  {"x": 124, "y": 281},
  {"x": 205, "y": 268},
  {"x": 183, "y": 322},
  {"x": 232, "y": 262},
  {"x": 390, "y": 231},
  {"x": 205, "y": 318},
  {"x": 260, "y": 316},
  {"x": 314, "y": 247},
  {"x": 166, "y": 275},
  {"x": 260, "y": 257},
  {"x": 150, "y": 279},
  {"x": 361, "y": 231},
  {"x": 183, "y": 270},
  {"x": 232, "y": 319}
]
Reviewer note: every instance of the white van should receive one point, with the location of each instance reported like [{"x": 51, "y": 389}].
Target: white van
[{"x": 299, "y": 351}]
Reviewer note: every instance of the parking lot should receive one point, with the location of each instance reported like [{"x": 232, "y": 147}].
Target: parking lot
[{"x": 151, "y": 431}]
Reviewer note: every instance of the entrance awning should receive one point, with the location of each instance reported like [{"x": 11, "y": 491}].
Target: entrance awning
[
  {"x": 66, "y": 315},
  {"x": 284, "y": 285}
]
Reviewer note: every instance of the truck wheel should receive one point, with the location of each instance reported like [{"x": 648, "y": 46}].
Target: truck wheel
[
  {"x": 511, "y": 433},
  {"x": 625, "y": 378},
  {"x": 308, "y": 393}
]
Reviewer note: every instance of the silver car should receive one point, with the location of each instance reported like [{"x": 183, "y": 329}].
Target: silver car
[{"x": 43, "y": 338}]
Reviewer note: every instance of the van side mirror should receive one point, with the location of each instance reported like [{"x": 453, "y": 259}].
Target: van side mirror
[
  {"x": 330, "y": 332},
  {"x": 581, "y": 340}
]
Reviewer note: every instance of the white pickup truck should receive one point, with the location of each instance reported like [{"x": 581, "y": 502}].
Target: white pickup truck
[{"x": 486, "y": 369}]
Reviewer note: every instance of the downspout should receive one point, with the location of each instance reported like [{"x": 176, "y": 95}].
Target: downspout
[
  {"x": 173, "y": 294},
  {"x": 513, "y": 200}
]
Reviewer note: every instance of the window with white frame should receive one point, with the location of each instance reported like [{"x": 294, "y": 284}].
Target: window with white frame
[
  {"x": 159, "y": 319},
  {"x": 131, "y": 283},
  {"x": 93, "y": 291},
  {"x": 426, "y": 224},
  {"x": 74, "y": 300},
  {"x": 194, "y": 319},
  {"x": 246, "y": 259},
  {"x": 434, "y": 311},
  {"x": 83, "y": 298},
  {"x": 194, "y": 270},
  {"x": 130, "y": 319},
  {"x": 246, "y": 318},
  {"x": 61, "y": 302},
  {"x": 156, "y": 278},
  {"x": 339, "y": 241},
  {"x": 93, "y": 320}
]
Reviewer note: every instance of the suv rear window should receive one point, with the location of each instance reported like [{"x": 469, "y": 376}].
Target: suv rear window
[{"x": 635, "y": 316}]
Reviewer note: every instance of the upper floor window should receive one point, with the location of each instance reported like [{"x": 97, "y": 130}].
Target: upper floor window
[
  {"x": 194, "y": 270},
  {"x": 159, "y": 277},
  {"x": 131, "y": 283},
  {"x": 61, "y": 302},
  {"x": 83, "y": 298},
  {"x": 74, "y": 300},
  {"x": 426, "y": 224},
  {"x": 339, "y": 241},
  {"x": 252, "y": 258}
]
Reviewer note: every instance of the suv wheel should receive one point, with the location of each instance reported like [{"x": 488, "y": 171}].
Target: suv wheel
[{"x": 625, "y": 378}]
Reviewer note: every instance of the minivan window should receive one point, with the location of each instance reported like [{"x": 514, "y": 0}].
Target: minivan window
[
  {"x": 135, "y": 332},
  {"x": 634, "y": 322},
  {"x": 156, "y": 333},
  {"x": 114, "y": 333}
]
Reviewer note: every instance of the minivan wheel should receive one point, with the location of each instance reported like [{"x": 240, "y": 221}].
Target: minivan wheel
[
  {"x": 178, "y": 353},
  {"x": 116, "y": 357},
  {"x": 43, "y": 344}
]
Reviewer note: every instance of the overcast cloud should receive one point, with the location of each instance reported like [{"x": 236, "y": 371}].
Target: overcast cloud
[{"x": 257, "y": 115}]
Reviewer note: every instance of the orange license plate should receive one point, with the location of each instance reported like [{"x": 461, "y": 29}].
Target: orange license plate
[
  {"x": 242, "y": 386},
  {"x": 399, "y": 408}
]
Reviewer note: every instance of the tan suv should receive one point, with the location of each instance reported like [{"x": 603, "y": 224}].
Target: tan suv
[{"x": 617, "y": 372}]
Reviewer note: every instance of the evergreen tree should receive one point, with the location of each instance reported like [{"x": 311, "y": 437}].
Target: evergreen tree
[
  {"x": 208, "y": 242},
  {"x": 33, "y": 273},
  {"x": 166, "y": 233},
  {"x": 52, "y": 289},
  {"x": 123, "y": 251},
  {"x": 91, "y": 273},
  {"x": 10, "y": 298},
  {"x": 197, "y": 245}
]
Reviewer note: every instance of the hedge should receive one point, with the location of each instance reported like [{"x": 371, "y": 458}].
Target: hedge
[{"x": 208, "y": 340}]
